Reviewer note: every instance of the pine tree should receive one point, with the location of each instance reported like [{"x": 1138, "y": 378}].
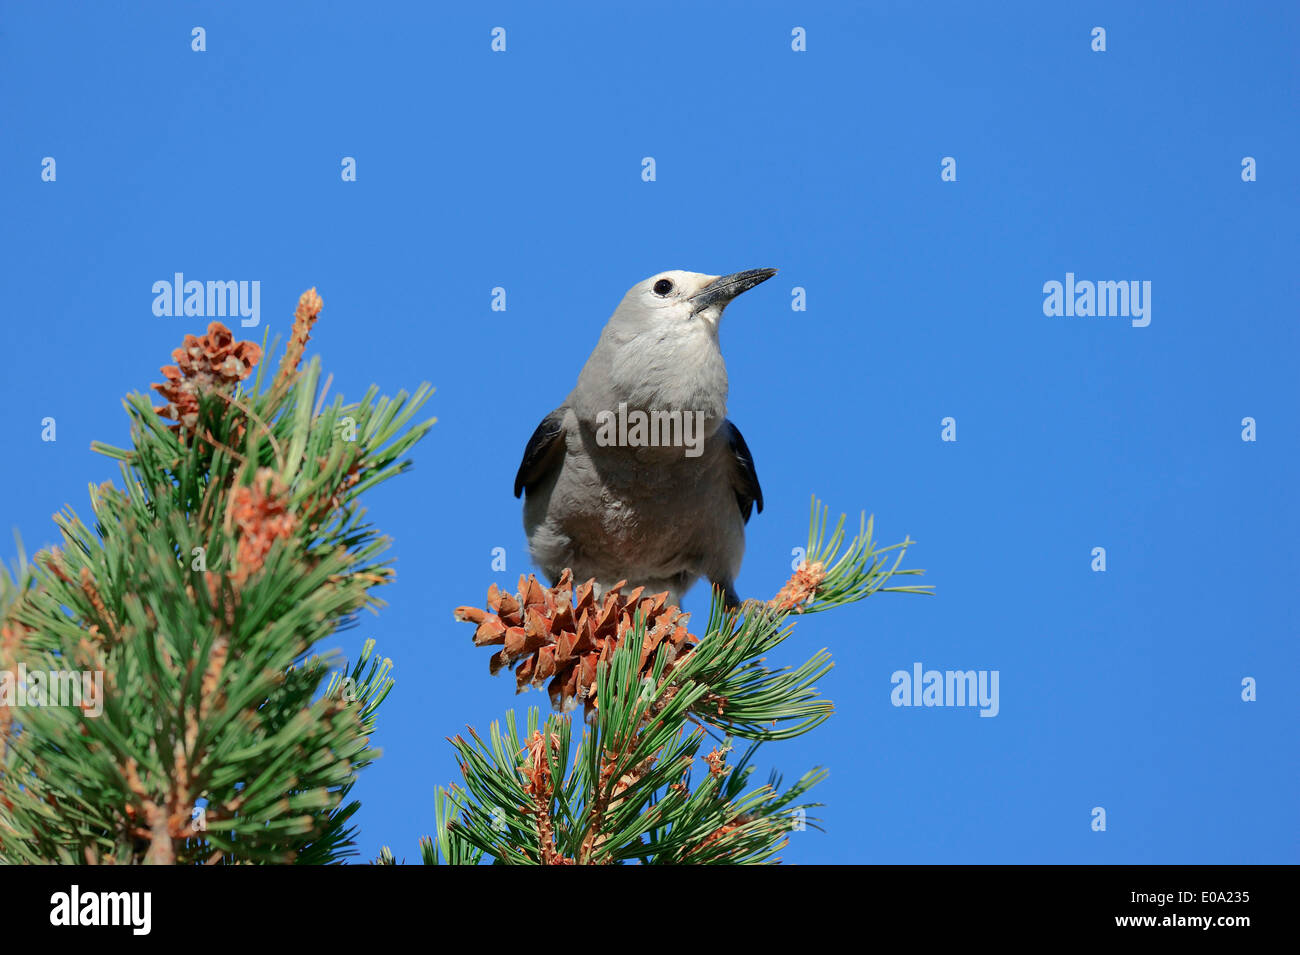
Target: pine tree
[
  {"x": 198, "y": 595},
  {"x": 623, "y": 788}
]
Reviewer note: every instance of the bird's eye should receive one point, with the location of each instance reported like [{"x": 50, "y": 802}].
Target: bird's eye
[{"x": 663, "y": 287}]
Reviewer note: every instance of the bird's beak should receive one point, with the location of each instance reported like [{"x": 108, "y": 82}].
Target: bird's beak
[{"x": 726, "y": 287}]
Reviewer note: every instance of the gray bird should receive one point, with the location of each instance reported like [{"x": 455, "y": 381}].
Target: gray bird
[{"x": 639, "y": 475}]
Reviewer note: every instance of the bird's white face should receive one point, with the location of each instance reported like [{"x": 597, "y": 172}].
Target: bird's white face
[
  {"x": 677, "y": 298},
  {"x": 668, "y": 298}
]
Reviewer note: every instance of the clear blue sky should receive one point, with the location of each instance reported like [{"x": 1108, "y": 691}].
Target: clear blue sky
[{"x": 523, "y": 170}]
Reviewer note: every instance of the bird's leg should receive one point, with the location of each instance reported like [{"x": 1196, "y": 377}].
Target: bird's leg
[{"x": 730, "y": 599}]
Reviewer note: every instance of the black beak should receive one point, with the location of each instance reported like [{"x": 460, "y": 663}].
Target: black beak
[{"x": 726, "y": 287}]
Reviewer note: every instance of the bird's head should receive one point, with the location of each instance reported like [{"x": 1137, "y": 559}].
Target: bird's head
[
  {"x": 682, "y": 305},
  {"x": 660, "y": 348}
]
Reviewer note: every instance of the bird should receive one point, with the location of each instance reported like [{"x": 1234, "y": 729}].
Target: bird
[{"x": 639, "y": 476}]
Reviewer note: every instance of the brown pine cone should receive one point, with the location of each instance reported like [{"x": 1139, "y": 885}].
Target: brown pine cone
[
  {"x": 563, "y": 633},
  {"x": 214, "y": 361}
]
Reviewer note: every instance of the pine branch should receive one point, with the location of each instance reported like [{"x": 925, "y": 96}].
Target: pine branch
[
  {"x": 651, "y": 690},
  {"x": 200, "y": 593}
]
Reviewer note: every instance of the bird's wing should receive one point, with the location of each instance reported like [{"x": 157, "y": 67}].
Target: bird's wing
[
  {"x": 748, "y": 492},
  {"x": 542, "y": 453}
]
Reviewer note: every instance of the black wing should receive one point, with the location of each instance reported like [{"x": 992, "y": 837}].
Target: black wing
[
  {"x": 542, "y": 452},
  {"x": 748, "y": 492}
]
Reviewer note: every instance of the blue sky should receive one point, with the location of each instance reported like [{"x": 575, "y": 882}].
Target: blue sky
[{"x": 522, "y": 169}]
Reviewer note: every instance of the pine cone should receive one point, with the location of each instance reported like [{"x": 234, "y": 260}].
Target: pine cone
[
  {"x": 564, "y": 632},
  {"x": 213, "y": 362}
]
